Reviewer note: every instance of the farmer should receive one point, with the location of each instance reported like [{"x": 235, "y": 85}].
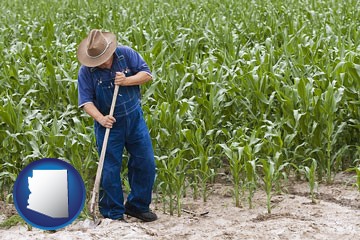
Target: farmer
[{"x": 105, "y": 64}]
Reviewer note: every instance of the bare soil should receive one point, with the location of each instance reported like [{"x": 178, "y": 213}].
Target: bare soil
[{"x": 335, "y": 215}]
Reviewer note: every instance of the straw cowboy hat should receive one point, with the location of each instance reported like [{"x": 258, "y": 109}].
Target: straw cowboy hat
[{"x": 97, "y": 48}]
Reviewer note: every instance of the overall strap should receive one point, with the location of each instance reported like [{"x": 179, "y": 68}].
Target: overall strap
[
  {"x": 122, "y": 61},
  {"x": 126, "y": 71}
]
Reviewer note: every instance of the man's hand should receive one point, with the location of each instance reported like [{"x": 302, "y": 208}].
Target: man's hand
[
  {"x": 120, "y": 79},
  {"x": 107, "y": 121}
]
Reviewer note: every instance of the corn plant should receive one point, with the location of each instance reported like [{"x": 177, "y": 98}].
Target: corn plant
[
  {"x": 331, "y": 100},
  {"x": 310, "y": 173},
  {"x": 171, "y": 176},
  {"x": 234, "y": 152},
  {"x": 250, "y": 169},
  {"x": 200, "y": 163},
  {"x": 251, "y": 149},
  {"x": 268, "y": 167},
  {"x": 357, "y": 176}
]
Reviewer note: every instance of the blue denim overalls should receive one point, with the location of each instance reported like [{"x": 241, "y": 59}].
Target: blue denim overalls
[{"x": 129, "y": 131}]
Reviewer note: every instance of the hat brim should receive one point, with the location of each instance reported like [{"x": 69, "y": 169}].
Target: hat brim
[{"x": 85, "y": 60}]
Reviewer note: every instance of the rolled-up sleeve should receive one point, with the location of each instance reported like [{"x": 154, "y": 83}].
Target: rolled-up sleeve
[
  {"x": 136, "y": 62},
  {"x": 86, "y": 91}
]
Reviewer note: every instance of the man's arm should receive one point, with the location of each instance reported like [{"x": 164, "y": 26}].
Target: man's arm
[{"x": 137, "y": 79}]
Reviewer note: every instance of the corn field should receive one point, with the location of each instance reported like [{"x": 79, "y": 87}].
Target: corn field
[{"x": 253, "y": 91}]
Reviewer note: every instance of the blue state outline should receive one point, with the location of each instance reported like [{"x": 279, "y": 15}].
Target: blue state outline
[{"x": 21, "y": 189}]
